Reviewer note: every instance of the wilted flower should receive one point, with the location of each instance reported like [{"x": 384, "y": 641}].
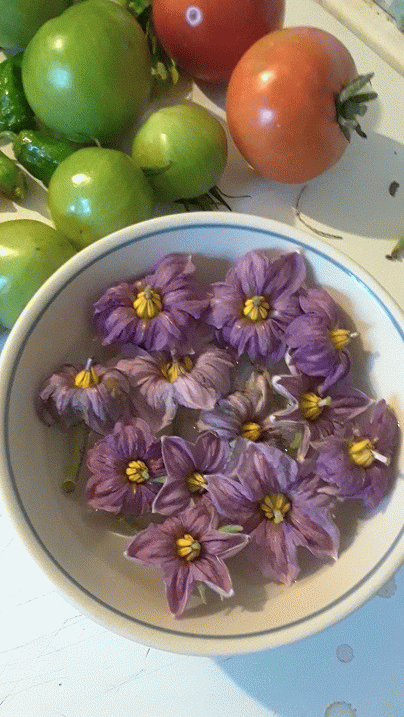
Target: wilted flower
[
  {"x": 124, "y": 465},
  {"x": 317, "y": 340},
  {"x": 245, "y": 414},
  {"x": 189, "y": 550},
  {"x": 320, "y": 413},
  {"x": 188, "y": 467},
  {"x": 279, "y": 509},
  {"x": 153, "y": 312},
  {"x": 166, "y": 380},
  {"x": 359, "y": 459},
  {"x": 253, "y": 306},
  {"x": 93, "y": 393}
]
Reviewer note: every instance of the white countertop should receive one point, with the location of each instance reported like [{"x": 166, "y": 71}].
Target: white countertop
[{"x": 54, "y": 662}]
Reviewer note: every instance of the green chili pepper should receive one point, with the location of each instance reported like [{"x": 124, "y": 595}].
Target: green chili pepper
[
  {"x": 15, "y": 112},
  {"x": 12, "y": 181},
  {"x": 40, "y": 153}
]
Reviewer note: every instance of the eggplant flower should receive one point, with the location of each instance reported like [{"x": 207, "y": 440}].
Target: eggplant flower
[
  {"x": 189, "y": 467},
  {"x": 245, "y": 414},
  {"x": 166, "y": 380},
  {"x": 317, "y": 340},
  {"x": 189, "y": 550},
  {"x": 278, "y": 509},
  {"x": 319, "y": 413},
  {"x": 123, "y": 466},
  {"x": 358, "y": 461},
  {"x": 93, "y": 393},
  {"x": 154, "y": 312},
  {"x": 255, "y": 303}
]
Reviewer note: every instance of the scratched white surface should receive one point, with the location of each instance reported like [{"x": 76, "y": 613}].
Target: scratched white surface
[{"x": 54, "y": 662}]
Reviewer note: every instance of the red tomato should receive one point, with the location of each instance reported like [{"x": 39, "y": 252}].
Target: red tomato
[
  {"x": 281, "y": 107},
  {"x": 207, "y": 37}
]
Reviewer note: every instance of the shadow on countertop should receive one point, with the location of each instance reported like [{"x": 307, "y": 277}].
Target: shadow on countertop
[{"x": 352, "y": 669}]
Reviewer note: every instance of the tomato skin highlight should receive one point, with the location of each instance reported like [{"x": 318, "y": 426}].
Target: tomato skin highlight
[
  {"x": 206, "y": 38},
  {"x": 281, "y": 103},
  {"x": 87, "y": 73}
]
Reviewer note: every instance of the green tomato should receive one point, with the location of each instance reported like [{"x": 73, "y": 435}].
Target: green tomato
[
  {"x": 97, "y": 191},
  {"x": 20, "y": 19},
  {"x": 182, "y": 150},
  {"x": 87, "y": 73},
  {"x": 30, "y": 252}
]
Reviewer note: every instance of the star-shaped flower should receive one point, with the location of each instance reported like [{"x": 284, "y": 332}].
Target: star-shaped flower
[{"x": 188, "y": 549}]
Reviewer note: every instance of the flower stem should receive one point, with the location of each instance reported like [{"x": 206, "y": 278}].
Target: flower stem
[
  {"x": 78, "y": 449},
  {"x": 397, "y": 250}
]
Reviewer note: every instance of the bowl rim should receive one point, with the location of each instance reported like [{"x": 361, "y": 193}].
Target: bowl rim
[{"x": 111, "y": 618}]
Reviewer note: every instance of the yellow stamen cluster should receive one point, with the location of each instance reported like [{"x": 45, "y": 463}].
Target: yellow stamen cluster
[
  {"x": 341, "y": 337},
  {"x": 196, "y": 483},
  {"x": 251, "y": 430},
  {"x": 87, "y": 378},
  {"x": 256, "y": 308},
  {"x": 275, "y": 507},
  {"x": 187, "y": 548},
  {"x": 147, "y": 303},
  {"x": 176, "y": 368},
  {"x": 311, "y": 405},
  {"x": 361, "y": 452},
  {"x": 137, "y": 472}
]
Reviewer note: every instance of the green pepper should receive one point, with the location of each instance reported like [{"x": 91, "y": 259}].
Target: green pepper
[
  {"x": 41, "y": 153},
  {"x": 15, "y": 112},
  {"x": 12, "y": 181}
]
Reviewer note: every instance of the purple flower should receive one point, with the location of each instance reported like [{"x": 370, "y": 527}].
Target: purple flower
[
  {"x": 253, "y": 306},
  {"x": 123, "y": 465},
  {"x": 188, "y": 550},
  {"x": 190, "y": 379},
  {"x": 317, "y": 340},
  {"x": 154, "y": 312},
  {"x": 359, "y": 460},
  {"x": 188, "y": 468},
  {"x": 319, "y": 412},
  {"x": 279, "y": 509},
  {"x": 245, "y": 414},
  {"x": 97, "y": 395}
]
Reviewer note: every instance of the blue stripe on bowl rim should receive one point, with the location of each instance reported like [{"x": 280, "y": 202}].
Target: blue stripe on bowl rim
[{"x": 70, "y": 578}]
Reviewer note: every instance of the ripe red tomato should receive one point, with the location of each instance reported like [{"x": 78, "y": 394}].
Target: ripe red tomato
[
  {"x": 281, "y": 103},
  {"x": 207, "y": 37}
]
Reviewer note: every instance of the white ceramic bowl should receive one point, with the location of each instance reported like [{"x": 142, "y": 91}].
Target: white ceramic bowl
[{"x": 82, "y": 552}]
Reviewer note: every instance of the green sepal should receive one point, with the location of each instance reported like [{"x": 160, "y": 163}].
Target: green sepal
[
  {"x": 351, "y": 102},
  {"x": 231, "y": 529}
]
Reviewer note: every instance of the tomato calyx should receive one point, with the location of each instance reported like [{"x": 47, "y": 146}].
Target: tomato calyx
[
  {"x": 398, "y": 250},
  {"x": 212, "y": 199},
  {"x": 352, "y": 102}
]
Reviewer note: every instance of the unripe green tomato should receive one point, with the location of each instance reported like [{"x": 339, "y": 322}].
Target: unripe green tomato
[
  {"x": 20, "y": 19},
  {"x": 182, "y": 150},
  {"x": 87, "y": 73},
  {"x": 97, "y": 191},
  {"x": 30, "y": 251}
]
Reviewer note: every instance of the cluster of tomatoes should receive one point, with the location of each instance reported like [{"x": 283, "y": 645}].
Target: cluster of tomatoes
[{"x": 88, "y": 69}]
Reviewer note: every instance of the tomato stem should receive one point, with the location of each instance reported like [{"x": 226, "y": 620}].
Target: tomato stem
[
  {"x": 212, "y": 199},
  {"x": 351, "y": 102}
]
